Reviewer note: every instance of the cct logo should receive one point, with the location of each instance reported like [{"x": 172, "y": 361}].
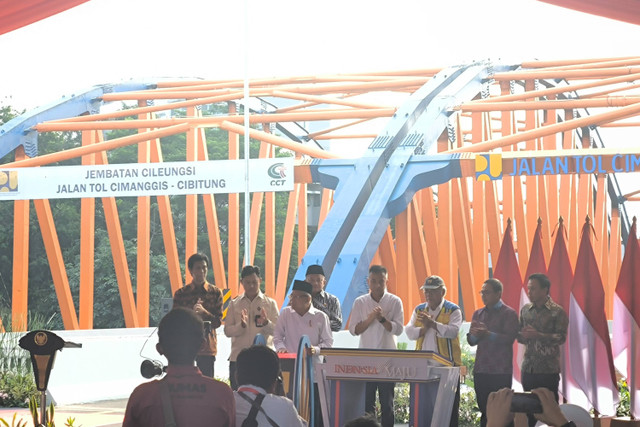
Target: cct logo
[{"x": 277, "y": 172}]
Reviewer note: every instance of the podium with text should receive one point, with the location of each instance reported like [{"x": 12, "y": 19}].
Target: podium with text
[{"x": 343, "y": 376}]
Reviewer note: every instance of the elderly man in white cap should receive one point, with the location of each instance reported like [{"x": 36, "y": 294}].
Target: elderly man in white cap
[{"x": 435, "y": 326}]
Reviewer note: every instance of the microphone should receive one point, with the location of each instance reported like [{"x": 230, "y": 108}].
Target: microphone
[{"x": 152, "y": 368}]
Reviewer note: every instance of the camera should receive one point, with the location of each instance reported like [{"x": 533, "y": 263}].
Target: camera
[
  {"x": 152, "y": 368},
  {"x": 526, "y": 402}
]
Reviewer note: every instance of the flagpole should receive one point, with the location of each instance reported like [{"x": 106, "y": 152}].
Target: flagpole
[{"x": 247, "y": 200}]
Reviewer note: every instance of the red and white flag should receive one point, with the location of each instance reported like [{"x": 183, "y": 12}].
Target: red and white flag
[
  {"x": 626, "y": 320},
  {"x": 508, "y": 272},
  {"x": 561, "y": 276},
  {"x": 588, "y": 338},
  {"x": 536, "y": 264}
]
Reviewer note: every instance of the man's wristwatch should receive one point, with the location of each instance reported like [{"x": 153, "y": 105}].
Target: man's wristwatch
[{"x": 382, "y": 319}]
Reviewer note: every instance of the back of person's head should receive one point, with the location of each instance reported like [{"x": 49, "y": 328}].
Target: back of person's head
[
  {"x": 180, "y": 335},
  {"x": 258, "y": 365},
  {"x": 364, "y": 421}
]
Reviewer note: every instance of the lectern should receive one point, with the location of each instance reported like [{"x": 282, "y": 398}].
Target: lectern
[{"x": 342, "y": 378}]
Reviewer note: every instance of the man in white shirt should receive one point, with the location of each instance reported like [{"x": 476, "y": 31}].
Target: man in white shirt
[
  {"x": 435, "y": 326},
  {"x": 377, "y": 318},
  {"x": 249, "y": 314},
  {"x": 258, "y": 370},
  {"x": 300, "y": 318}
]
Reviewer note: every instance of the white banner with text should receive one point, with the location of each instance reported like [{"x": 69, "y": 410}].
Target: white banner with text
[{"x": 146, "y": 179}]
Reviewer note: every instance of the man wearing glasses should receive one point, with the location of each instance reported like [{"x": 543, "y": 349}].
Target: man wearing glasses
[
  {"x": 435, "y": 326},
  {"x": 493, "y": 329}
]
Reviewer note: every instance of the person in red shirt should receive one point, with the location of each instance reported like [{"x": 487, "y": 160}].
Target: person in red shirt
[{"x": 184, "y": 394}]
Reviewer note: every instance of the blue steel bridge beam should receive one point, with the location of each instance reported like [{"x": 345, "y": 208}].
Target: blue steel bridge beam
[
  {"x": 355, "y": 181},
  {"x": 351, "y": 233},
  {"x": 18, "y": 131}
]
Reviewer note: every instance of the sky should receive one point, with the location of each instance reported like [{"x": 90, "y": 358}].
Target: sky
[{"x": 111, "y": 41}]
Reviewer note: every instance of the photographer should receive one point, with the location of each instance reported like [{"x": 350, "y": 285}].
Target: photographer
[
  {"x": 499, "y": 412},
  {"x": 258, "y": 372},
  {"x": 184, "y": 394}
]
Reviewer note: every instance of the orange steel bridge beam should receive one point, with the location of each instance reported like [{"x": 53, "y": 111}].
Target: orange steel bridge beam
[
  {"x": 463, "y": 245},
  {"x": 287, "y": 243},
  {"x": 388, "y": 258},
  {"x": 168, "y": 230},
  {"x": 447, "y": 267},
  {"x": 310, "y": 79},
  {"x": 507, "y": 128},
  {"x": 430, "y": 228},
  {"x": 608, "y": 92},
  {"x": 421, "y": 266},
  {"x": 181, "y": 94},
  {"x": 557, "y": 90},
  {"x": 405, "y": 279},
  {"x": 311, "y": 88},
  {"x": 353, "y": 136},
  {"x": 256, "y": 204},
  {"x": 479, "y": 224},
  {"x": 596, "y": 73},
  {"x": 304, "y": 105},
  {"x": 56, "y": 263},
  {"x": 531, "y": 182},
  {"x": 325, "y": 100},
  {"x": 599, "y": 64},
  {"x": 270, "y": 238},
  {"x": 595, "y": 119},
  {"x": 72, "y": 153},
  {"x": 87, "y": 245},
  {"x": 233, "y": 248},
  {"x": 313, "y": 135},
  {"x": 143, "y": 242},
  {"x": 325, "y": 205},
  {"x": 20, "y": 278},
  {"x": 601, "y": 246},
  {"x": 211, "y": 219},
  {"x": 620, "y": 124},
  {"x": 150, "y": 109},
  {"x": 550, "y": 187},
  {"x": 494, "y": 227},
  {"x": 191, "y": 201},
  {"x": 565, "y": 62},
  {"x": 613, "y": 259},
  {"x": 302, "y": 222},
  {"x": 399, "y": 82},
  {"x": 280, "y": 142},
  {"x": 120, "y": 264},
  {"x": 335, "y": 114},
  {"x": 609, "y": 101}
]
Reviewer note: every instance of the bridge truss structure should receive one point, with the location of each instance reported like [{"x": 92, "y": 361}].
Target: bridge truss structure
[{"x": 445, "y": 156}]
